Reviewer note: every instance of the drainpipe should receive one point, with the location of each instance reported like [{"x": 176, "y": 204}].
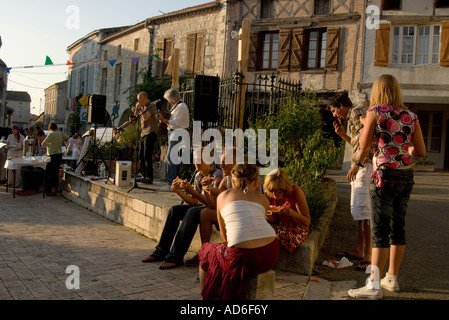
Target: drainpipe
[
  {"x": 226, "y": 3},
  {"x": 150, "y": 46}
]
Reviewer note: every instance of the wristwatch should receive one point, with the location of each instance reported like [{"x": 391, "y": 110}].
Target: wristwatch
[{"x": 358, "y": 163}]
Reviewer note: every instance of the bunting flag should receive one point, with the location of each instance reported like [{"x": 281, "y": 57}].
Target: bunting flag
[
  {"x": 84, "y": 101},
  {"x": 48, "y": 61},
  {"x": 69, "y": 63},
  {"x": 112, "y": 62},
  {"x": 135, "y": 60},
  {"x": 156, "y": 56}
]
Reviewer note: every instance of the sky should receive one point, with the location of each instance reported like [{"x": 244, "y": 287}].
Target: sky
[{"x": 31, "y": 30}]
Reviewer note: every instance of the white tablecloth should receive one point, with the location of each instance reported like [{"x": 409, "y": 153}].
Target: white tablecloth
[{"x": 17, "y": 163}]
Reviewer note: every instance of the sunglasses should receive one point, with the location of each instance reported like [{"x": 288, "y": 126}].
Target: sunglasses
[{"x": 276, "y": 191}]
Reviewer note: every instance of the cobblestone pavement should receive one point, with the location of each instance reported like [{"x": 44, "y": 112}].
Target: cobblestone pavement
[{"x": 41, "y": 239}]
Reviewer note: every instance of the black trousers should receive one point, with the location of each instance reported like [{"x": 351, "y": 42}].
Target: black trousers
[
  {"x": 146, "y": 154},
  {"x": 52, "y": 169}
]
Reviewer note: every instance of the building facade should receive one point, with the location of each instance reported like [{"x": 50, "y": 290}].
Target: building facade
[
  {"x": 20, "y": 103},
  {"x": 56, "y": 104}
]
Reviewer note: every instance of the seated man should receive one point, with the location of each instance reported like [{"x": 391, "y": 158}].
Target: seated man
[
  {"x": 208, "y": 215},
  {"x": 189, "y": 214}
]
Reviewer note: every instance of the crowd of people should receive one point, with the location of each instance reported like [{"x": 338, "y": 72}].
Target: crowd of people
[{"x": 259, "y": 216}]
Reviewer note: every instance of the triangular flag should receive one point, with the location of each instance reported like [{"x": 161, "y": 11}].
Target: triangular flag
[
  {"x": 135, "y": 60},
  {"x": 6, "y": 69},
  {"x": 112, "y": 62},
  {"x": 48, "y": 61},
  {"x": 84, "y": 100},
  {"x": 156, "y": 56},
  {"x": 69, "y": 63}
]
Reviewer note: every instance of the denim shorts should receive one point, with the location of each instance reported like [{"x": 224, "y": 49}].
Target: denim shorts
[{"x": 389, "y": 206}]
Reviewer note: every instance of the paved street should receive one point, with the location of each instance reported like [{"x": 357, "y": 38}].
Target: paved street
[{"x": 40, "y": 238}]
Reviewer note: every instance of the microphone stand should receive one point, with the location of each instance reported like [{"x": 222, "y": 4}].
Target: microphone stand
[{"x": 122, "y": 127}]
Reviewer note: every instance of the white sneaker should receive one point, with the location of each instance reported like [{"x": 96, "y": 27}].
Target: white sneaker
[
  {"x": 165, "y": 188},
  {"x": 366, "y": 293},
  {"x": 389, "y": 283}
]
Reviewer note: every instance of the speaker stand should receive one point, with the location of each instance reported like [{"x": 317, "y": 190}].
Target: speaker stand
[{"x": 94, "y": 149}]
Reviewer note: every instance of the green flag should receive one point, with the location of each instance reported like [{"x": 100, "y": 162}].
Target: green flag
[{"x": 48, "y": 61}]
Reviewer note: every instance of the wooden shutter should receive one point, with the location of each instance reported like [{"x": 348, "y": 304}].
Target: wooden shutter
[
  {"x": 332, "y": 48},
  {"x": 199, "y": 53},
  {"x": 444, "y": 50},
  {"x": 190, "y": 53},
  {"x": 252, "y": 61},
  {"x": 168, "y": 52},
  {"x": 297, "y": 49},
  {"x": 159, "y": 51},
  {"x": 285, "y": 41},
  {"x": 382, "y": 46}
]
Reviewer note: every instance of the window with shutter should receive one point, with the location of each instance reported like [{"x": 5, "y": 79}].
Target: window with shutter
[
  {"x": 382, "y": 46},
  {"x": 194, "y": 53},
  {"x": 315, "y": 48},
  {"x": 332, "y": 47},
  {"x": 444, "y": 53}
]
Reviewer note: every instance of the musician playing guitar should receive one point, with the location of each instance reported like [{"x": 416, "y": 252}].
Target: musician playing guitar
[{"x": 149, "y": 126}]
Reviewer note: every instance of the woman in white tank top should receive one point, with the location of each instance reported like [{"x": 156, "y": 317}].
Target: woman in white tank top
[{"x": 250, "y": 245}]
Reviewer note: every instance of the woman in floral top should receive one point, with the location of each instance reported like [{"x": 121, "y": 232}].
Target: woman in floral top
[
  {"x": 289, "y": 212},
  {"x": 398, "y": 137}
]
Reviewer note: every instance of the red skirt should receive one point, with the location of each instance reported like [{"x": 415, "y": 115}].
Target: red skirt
[{"x": 226, "y": 268}]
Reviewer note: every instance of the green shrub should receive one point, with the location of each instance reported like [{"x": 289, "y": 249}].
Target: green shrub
[{"x": 304, "y": 149}]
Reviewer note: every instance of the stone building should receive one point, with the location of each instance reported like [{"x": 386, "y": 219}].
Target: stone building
[
  {"x": 124, "y": 56},
  {"x": 84, "y": 68},
  {"x": 412, "y": 44},
  {"x": 20, "y": 102},
  {"x": 56, "y": 104}
]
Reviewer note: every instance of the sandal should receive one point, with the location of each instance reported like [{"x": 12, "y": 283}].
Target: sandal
[
  {"x": 168, "y": 265},
  {"x": 363, "y": 265}
]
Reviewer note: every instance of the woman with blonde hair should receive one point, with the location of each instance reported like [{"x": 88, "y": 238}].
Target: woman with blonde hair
[
  {"x": 289, "y": 212},
  {"x": 250, "y": 245},
  {"x": 398, "y": 137}
]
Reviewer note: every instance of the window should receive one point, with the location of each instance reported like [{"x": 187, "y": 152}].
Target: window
[
  {"x": 416, "y": 45},
  {"x": 266, "y": 9},
  {"x": 136, "y": 44},
  {"x": 134, "y": 72},
  {"x": 105, "y": 55},
  {"x": 315, "y": 53},
  {"x": 118, "y": 81},
  {"x": 391, "y": 5},
  {"x": 104, "y": 81},
  {"x": 442, "y": 4},
  {"x": 194, "y": 53},
  {"x": 270, "y": 51},
  {"x": 432, "y": 127},
  {"x": 322, "y": 7},
  {"x": 164, "y": 50},
  {"x": 119, "y": 51}
]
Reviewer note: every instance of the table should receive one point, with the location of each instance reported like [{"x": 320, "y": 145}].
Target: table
[{"x": 16, "y": 163}]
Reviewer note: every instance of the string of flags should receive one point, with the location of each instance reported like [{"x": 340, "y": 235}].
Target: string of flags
[{"x": 49, "y": 62}]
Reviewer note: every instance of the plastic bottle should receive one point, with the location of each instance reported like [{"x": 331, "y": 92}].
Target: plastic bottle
[{"x": 102, "y": 171}]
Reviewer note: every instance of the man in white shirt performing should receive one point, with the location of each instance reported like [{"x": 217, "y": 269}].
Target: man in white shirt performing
[{"x": 178, "y": 119}]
